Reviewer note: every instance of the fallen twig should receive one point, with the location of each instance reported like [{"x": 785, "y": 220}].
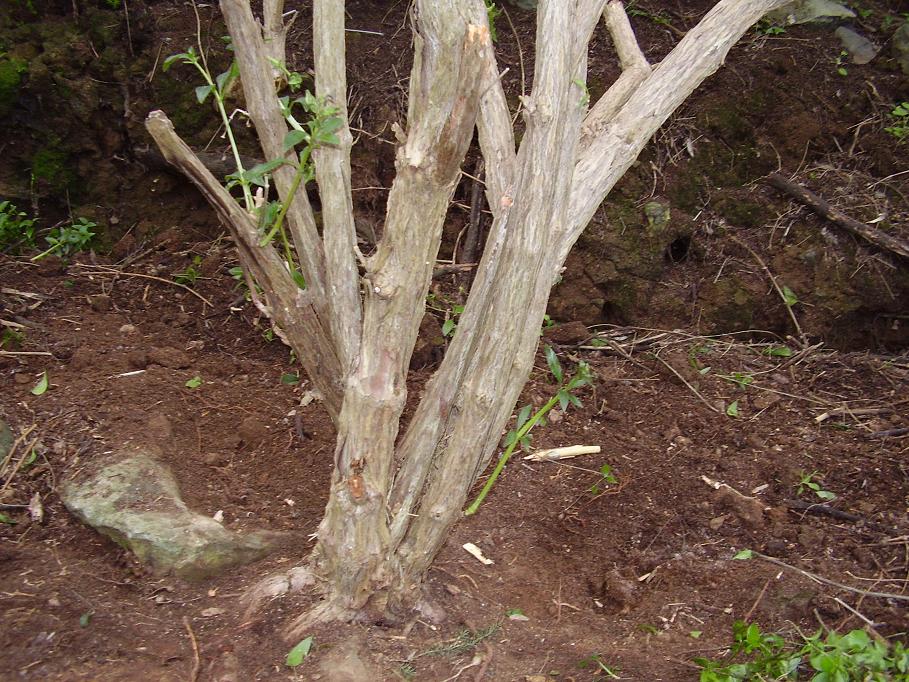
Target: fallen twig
[
  {"x": 833, "y": 512},
  {"x": 115, "y": 271},
  {"x": 828, "y": 581},
  {"x": 818, "y": 205},
  {"x": 197, "y": 661}
]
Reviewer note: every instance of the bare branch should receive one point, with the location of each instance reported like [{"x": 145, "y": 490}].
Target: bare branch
[
  {"x": 262, "y": 104},
  {"x": 274, "y": 31},
  {"x": 609, "y": 152},
  {"x": 291, "y": 307},
  {"x": 333, "y": 176},
  {"x": 635, "y": 70}
]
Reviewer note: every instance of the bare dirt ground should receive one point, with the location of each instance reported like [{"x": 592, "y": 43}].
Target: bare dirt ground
[{"x": 639, "y": 572}]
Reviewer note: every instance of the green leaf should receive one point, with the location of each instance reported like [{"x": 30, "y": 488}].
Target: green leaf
[
  {"x": 744, "y": 555},
  {"x": 7, "y": 519},
  {"x": 41, "y": 387},
  {"x": 789, "y": 297},
  {"x": 573, "y": 399},
  {"x": 290, "y": 378},
  {"x": 825, "y": 494},
  {"x": 733, "y": 409},
  {"x": 182, "y": 57},
  {"x": 85, "y": 619},
  {"x": 448, "y": 327},
  {"x": 523, "y": 416},
  {"x": 195, "y": 382},
  {"x": 695, "y": 634},
  {"x": 513, "y": 612},
  {"x": 563, "y": 397},
  {"x": 299, "y": 279},
  {"x": 296, "y": 655},
  {"x": 225, "y": 79},
  {"x": 202, "y": 93},
  {"x": 778, "y": 352},
  {"x": 256, "y": 174},
  {"x": 598, "y": 343},
  {"x": 295, "y": 137},
  {"x": 554, "y": 365}
]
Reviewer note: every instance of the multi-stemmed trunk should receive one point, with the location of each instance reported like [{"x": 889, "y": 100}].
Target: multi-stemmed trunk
[{"x": 394, "y": 497}]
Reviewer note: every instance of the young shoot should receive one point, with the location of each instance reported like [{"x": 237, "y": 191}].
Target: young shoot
[{"x": 525, "y": 421}]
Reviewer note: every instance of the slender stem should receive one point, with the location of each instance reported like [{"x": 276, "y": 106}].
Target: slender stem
[
  {"x": 294, "y": 185},
  {"x": 503, "y": 460}
]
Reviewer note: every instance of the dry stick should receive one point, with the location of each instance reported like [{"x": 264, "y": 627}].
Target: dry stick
[
  {"x": 472, "y": 240},
  {"x": 684, "y": 381},
  {"x": 197, "y": 662},
  {"x": 757, "y": 601},
  {"x": 814, "y": 202},
  {"x": 28, "y": 449},
  {"x": 889, "y": 433},
  {"x": 114, "y": 271},
  {"x": 828, "y": 581},
  {"x": 776, "y": 286}
]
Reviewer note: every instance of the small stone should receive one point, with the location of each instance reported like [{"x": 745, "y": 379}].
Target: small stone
[
  {"x": 137, "y": 359},
  {"x": 252, "y": 430},
  {"x": 717, "y": 522},
  {"x": 567, "y": 334},
  {"x": 169, "y": 357},
  {"x": 100, "y": 303},
  {"x": 452, "y": 589},
  {"x": 128, "y": 329}
]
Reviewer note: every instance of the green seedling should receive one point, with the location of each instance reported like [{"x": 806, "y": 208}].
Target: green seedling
[
  {"x": 602, "y": 670},
  {"x": 16, "y": 228},
  {"x": 10, "y": 338},
  {"x": 778, "y": 352},
  {"x": 740, "y": 379},
  {"x": 189, "y": 276},
  {"x": 290, "y": 378},
  {"x": 69, "y": 239},
  {"x": 195, "y": 382},
  {"x": 732, "y": 409},
  {"x": 493, "y": 12},
  {"x": 450, "y": 325},
  {"x": 900, "y": 119},
  {"x": 465, "y": 642},
  {"x": 41, "y": 387},
  {"x": 789, "y": 297},
  {"x": 298, "y": 654},
  {"x": 822, "y": 658},
  {"x": 840, "y": 63},
  {"x": 8, "y": 520},
  {"x": 520, "y": 435},
  {"x": 606, "y": 478},
  {"x": 768, "y": 28},
  {"x": 807, "y": 483}
]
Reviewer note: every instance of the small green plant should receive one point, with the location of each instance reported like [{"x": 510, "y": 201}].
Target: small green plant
[
  {"x": 41, "y": 387},
  {"x": 658, "y": 18},
  {"x": 493, "y": 12},
  {"x": 807, "y": 482},
  {"x": 900, "y": 119},
  {"x": 16, "y": 228},
  {"x": 299, "y": 653},
  {"x": 189, "y": 276},
  {"x": 10, "y": 338},
  {"x": 520, "y": 435},
  {"x": 450, "y": 324},
  {"x": 68, "y": 239},
  {"x": 602, "y": 671},
  {"x": 464, "y": 642},
  {"x": 830, "y": 658},
  {"x": 606, "y": 478},
  {"x": 195, "y": 382},
  {"x": 840, "y": 63},
  {"x": 768, "y": 28}
]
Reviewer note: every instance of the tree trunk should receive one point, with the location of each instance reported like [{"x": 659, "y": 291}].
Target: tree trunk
[{"x": 393, "y": 500}]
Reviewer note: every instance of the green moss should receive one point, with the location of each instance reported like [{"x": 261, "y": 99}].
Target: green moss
[
  {"x": 11, "y": 71},
  {"x": 740, "y": 213},
  {"x": 50, "y": 165}
]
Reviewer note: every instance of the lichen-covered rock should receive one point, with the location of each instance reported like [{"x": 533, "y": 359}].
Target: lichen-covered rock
[
  {"x": 810, "y": 11},
  {"x": 136, "y": 502}
]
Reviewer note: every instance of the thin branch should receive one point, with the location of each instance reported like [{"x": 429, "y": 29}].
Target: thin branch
[
  {"x": 805, "y": 196},
  {"x": 333, "y": 175},
  {"x": 828, "y": 581},
  {"x": 262, "y": 104}
]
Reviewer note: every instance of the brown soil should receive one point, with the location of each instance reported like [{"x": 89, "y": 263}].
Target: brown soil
[{"x": 626, "y": 571}]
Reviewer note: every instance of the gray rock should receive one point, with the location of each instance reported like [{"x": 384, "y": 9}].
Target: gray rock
[
  {"x": 6, "y": 439},
  {"x": 657, "y": 215},
  {"x": 900, "y": 47},
  {"x": 809, "y": 11},
  {"x": 860, "y": 49},
  {"x": 136, "y": 502}
]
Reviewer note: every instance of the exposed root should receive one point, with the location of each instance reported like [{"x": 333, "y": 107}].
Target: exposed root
[
  {"x": 324, "y": 612},
  {"x": 276, "y": 585}
]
